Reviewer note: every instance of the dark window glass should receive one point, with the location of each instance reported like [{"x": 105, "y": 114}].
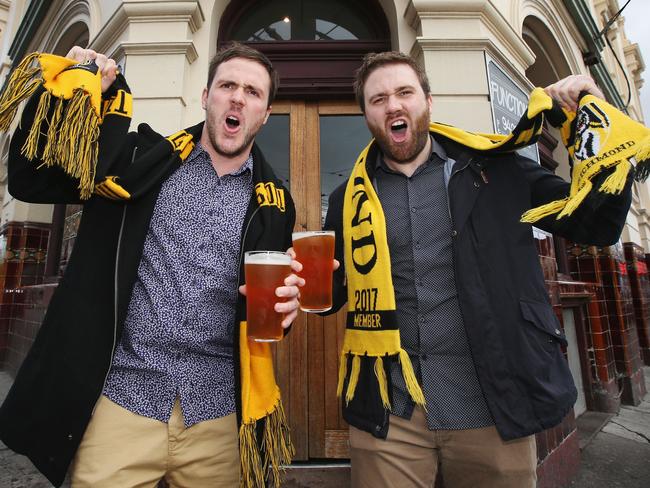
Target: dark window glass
[
  {"x": 305, "y": 20},
  {"x": 273, "y": 140},
  {"x": 342, "y": 138}
]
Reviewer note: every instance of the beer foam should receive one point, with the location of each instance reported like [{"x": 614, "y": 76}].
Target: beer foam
[
  {"x": 311, "y": 233},
  {"x": 267, "y": 258}
]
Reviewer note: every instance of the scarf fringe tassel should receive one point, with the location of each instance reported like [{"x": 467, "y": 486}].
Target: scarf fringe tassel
[
  {"x": 551, "y": 208},
  {"x": 73, "y": 133},
  {"x": 642, "y": 170},
  {"x": 354, "y": 378},
  {"x": 22, "y": 84},
  {"x": 380, "y": 373},
  {"x": 276, "y": 444},
  {"x": 412, "y": 384},
  {"x": 615, "y": 183},
  {"x": 574, "y": 202}
]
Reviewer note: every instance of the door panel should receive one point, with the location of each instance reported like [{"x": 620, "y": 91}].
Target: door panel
[{"x": 324, "y": 140}]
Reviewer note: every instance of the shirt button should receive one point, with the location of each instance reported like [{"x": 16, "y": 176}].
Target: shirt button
[
  {"x": 418, "y": 246},
  {"x": 413, "y": 209},
  {"x": 476, "y": 184},
  {"x": 201, "y": 247},
  {"x": 557, "y": 331},
  {"x": 454, "y": 233},
  {"x": 210, "y": 213},
  {"x": 421, "y": 319},
  {"x": 178, "y": 355}
]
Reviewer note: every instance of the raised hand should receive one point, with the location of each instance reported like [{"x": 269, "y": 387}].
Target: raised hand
[{"x": 107, "y": 66}]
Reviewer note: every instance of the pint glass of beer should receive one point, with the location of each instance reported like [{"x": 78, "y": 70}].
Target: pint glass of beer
[
  {"x": 315, "y": 250},
  {"x": 265, "y": 271}
]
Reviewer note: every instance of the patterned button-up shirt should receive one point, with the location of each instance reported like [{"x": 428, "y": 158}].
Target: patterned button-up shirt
[
  {"x": 177, "y": 340},
  {"x": 428, "y": 312}
]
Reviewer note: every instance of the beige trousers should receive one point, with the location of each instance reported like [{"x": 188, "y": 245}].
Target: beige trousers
[
  {"x": 126, "y": 450},
  {"x": 411, "y": 455}
]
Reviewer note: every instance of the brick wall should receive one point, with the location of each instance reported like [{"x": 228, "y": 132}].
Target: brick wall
[
  {"x": 558, "y": 452},
  {"x": 613, "y": 333},
  {"x": 637, "y": 272},
  {"x": 23, "y": 247}
]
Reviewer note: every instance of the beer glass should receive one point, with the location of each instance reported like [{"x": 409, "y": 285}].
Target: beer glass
[
  {"x": 265, "y": 271},
  {"x": 315, "y": 250}
]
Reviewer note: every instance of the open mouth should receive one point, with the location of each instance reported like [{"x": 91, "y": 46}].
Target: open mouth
[
  {"x": 232, "y": 122},
  {"x": 398, "y": 128}
]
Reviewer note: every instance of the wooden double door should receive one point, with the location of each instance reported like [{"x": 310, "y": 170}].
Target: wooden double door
[{"x": 312, "y": 146}]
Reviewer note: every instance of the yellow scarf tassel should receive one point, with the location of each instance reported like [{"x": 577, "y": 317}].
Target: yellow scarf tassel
[
  {"x": 615, "y": 183},
  {"x": 252, "y": 472},
  {"x": 354, "y": 378},
  {"x": 412, "y": 384},
  {"x": 343, "y": 371},
  {"x": 277, "y": 445},
  {"x": 22, "y": 84},
  {"x": 380, "y": 373},
  {"x": 30, "y": 147}
]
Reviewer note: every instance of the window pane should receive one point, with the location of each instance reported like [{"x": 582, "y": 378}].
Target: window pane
[
  {"x": 273, "y": 140},
  {"x": 342, "y": 138},
  {"x": 305, "y": 20}
]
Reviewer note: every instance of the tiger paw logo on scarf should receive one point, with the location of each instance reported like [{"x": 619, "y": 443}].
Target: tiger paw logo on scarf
[
  {"x": 599, "y": 139},
  {"x": 592, "y": 131}
]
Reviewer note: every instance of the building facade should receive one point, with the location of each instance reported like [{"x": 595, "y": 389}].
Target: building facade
[{"x": 482, "y": 56}]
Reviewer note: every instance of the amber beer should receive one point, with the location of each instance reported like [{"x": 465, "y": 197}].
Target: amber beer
[
  {"x": 265, "y": 271},
  {"x": 315, "y": 250}
]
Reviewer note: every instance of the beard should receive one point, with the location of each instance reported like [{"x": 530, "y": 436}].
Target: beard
[
  {"x": 249, "y": 135},
  {"x": 406, "y": 152}
]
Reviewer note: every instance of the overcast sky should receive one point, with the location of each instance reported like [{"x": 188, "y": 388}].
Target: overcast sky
[{"x": 637, "y": 28}]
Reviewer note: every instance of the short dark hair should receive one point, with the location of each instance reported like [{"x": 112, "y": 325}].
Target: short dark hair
[
  {"x": 372, "y": 61},
  {"x": 238, "y": 50}
]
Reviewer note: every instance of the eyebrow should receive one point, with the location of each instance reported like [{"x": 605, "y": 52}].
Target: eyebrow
[
  {"x": 220, "y": 81},
  {"x": 398, "y": 89}
]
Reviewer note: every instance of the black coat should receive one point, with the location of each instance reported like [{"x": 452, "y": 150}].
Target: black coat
[
  {"x": 51, "y": 401},
  {"x": 515, "y": 338}
]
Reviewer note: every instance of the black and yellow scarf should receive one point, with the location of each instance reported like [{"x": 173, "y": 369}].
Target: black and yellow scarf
[
  {"x": 72, "y": 109},
  {"x": 601, "y": 142}
]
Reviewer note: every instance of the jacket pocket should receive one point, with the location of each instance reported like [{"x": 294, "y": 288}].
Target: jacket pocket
[{"x": 541, "y": 316}]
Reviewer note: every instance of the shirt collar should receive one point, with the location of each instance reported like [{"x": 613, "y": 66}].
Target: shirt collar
[
  {"x": 199, "y": 153},
  {"x": 436, "y": 149}
]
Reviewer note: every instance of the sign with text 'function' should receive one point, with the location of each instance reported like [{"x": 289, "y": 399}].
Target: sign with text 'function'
[{"x": 509, "y": 102}]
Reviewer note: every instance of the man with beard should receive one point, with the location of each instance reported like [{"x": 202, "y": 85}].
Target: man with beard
[
  {"x": 135, "y": 372},
  {"x": 480, "y": 369}
]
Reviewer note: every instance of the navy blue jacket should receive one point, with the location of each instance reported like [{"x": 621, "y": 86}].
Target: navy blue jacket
[{"x": 515, "y": 338}]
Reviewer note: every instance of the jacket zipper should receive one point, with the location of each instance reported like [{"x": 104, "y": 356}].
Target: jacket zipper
[
  {"x": 115, "y": 287},
  {"x": 115, "y": 302},
  {"x": 447, "y": 190},
  {"x": 243, "y": 242},
  {"x": 453, "y": 254}
]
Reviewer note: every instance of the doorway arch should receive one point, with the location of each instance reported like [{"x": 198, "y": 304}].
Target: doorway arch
[{"x": 312, "y": 139}]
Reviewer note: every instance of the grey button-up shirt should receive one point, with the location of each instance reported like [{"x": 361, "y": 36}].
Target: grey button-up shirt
[
  {"x": 430, "y": 321},
  {"x": 178, "y": 335}
]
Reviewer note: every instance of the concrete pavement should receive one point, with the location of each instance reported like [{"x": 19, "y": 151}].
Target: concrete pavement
[
  {"x": 16, "y": 471},
  {"x": 618, "y": 456}
]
